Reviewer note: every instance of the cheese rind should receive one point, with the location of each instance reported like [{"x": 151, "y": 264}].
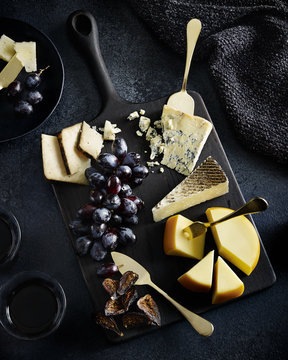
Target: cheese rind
[
  {"x": 199, "y": 277},
  {"x": 227, "y": 285},
  {"x": 236, "y": 239},
  {"x": 90, "y": 141},
  {"x": 7, "y": 50},
  {"x": 53, "y": 164},
  {"x": 184, "y": 137},
  {"x": 206, "y": 182},
  {"x": 74, "y": 159},
  {"x": 10, "y": 72},
  {"x": 26, "y": 52}
]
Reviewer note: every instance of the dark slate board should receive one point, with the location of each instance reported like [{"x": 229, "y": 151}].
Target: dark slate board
[{"x": 148, "y": 250}]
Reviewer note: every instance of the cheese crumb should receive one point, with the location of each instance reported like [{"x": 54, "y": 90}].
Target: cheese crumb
[
  {"x": 139, "y": 133},
  {"x": 134, "y": 115},
  {"x": 161, "y": 170},
  {"x": 152, "y": 163},
  {"x": 142, "y": 112}
]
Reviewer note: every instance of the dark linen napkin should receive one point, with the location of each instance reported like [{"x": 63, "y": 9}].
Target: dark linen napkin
[{"x": 246, "y": 45}]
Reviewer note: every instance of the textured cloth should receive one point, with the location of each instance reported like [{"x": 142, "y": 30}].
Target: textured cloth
[{"x": 246, "y": 45}]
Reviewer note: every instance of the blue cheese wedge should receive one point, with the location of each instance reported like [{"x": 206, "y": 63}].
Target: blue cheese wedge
[
  {"x": 26, "y": 52},
  {"x": 53, "y": 164},
  {"x": 90, "y": 141},
  {"x": 184, "y": 137},
  {"x": 7, "y": 50},
  {"x": 207, "y": 182},
  {"x": 10, "y": 72}
]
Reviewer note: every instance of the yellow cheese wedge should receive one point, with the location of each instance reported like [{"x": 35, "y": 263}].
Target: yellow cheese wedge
[
  {"x": 199, "y": 277},
  {"x": 178, "y": 239},
  {"x": 53, "y": 164},
  {"x": 10, "y": 72},
  {"x": 236, "y": 239},
  {"x": 227, "y": 284},
  {"x": 7, "y": 50},
  {"x": 26, "y": 52}
]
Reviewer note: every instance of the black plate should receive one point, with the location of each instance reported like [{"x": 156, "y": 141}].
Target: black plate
[{"x": 51, "y": 87}]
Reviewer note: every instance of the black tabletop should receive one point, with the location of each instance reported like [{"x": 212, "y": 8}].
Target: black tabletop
[{"x": 142, "y": 69}]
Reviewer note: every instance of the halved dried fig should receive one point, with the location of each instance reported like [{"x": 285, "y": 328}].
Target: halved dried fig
[
  {"x": 134, "y": 319},
  {"x": 106, "y": 322},
  {"x": 150, "y": 309},
  {"x": 129, "y": 297},
  {"x": 128, "y": 279},
  {"x": 111, "y": 287},
  {"x": 114, "y": 307}
]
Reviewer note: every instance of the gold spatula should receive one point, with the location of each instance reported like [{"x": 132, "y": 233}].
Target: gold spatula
[
  {"x": 126, "y": 263},
  {"x": 182, "y": 100}
]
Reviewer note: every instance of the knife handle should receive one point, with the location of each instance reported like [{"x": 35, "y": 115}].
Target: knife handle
[
  {"x": 201, "y": 325},
  {"x": 83, "y": 30}
]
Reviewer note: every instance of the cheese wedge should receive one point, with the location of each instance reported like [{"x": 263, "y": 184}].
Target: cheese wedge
[
  {"x": 90, "y": 141},
  {"x": 184, "y": 137},
  {"x": 227, "y": 284},
  {"x": 110, "y": 130},
  {"x": 199, "y": 277},
  {"x": 74, "y": 160},
  {"x": 10, "y": 72},
  {"x": 7, "y": 50},
  {"x": 236, "y": 239},
  {"x": 53, "y": 164},
  {"x": 178, "y": 239},
  {"x": 208, "y": 181},
  {"x": 26, "y": 52}
]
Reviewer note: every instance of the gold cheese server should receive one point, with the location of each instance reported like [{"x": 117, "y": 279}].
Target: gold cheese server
[{"x": 126, "y": 263}]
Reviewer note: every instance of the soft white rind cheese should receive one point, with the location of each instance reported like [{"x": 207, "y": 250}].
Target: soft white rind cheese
[
  {"x": 184, "y": 138},
  {"x": 7, "y": 50},
  {"x": 207, "y": 182},
  {"x": 26, "y": 52}
]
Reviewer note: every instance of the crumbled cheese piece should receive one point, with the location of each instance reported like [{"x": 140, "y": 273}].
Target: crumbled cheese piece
[
  {"x": 161, "y": 170},
  {"x": 145, "y": 151},
  {"x": 110, "y": 130},
  {"x": 142, "y": 112},
  {"x": 144, "y": 123},
  {"x": 158, "y": 124},
  {"x": 152, "y": 163},
  {"x": 151, "y": 133},
  {"x": 139, "y": 133},
  {"x": 134, "y": 115},
  {"x": 156, "y": 145}
]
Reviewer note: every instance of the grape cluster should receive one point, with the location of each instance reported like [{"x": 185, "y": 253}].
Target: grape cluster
[
  {"x": 24, "y": 94},
  {"x": 105, "y": 221}
]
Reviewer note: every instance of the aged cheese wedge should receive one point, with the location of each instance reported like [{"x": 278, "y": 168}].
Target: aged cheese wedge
[
  {"x": 74, "y": 160},
  {"x": 90, "y": 141},
  {"x": 26, "y": 52},
  {"x": 10, "y": 72},
  {"x": 236, "y": 239},
  {"x": 53, "y": 164},
  {"x": 184, "y": 137},
  {"x": 7, "y": 50},
  {"x": 178, "y": 239},
  {"x": 208, "y": 181},
  {"x": 227, "y": 284},
  {"x": 199, "y": 277}
]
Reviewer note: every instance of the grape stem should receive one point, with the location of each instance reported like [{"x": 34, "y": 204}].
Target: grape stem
[{"x": 41, "y": 70}]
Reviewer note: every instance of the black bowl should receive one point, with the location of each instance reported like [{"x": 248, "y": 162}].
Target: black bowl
[{"x": 12, "y": 126}]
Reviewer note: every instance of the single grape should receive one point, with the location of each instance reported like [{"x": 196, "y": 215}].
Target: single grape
[
  {"x": 96, "y": 196},
  {"x": 119, "y": 148},
  {"x": 107, "y": 162},
  {"x": 110, "y": 240},
  {"x": 140, "y": 171},
  {"x": 115, "y": 220},
  {"x": 137, "y": 201},
  {"x": 97, "y": 251},
  {"x": 34, "y": 97},
  {"x": 112, "y": 201},
  {"x": 127, "y": 207},
  {"x": 106, "y": 270},
  {"x": 126, "y": 236},
  {"x": 124, "y": 172},
  {"x": 90, "y": 170},
  {"x": 125, "y": 190},
  {"x": 79, "y": 228},
  {"x": 32, "y": 81},
  {"x": 23, "y": 108},
  {"x": 82, "y": 245},
  {"x": 131, "y": 159},
  {"x": 14, "y": 88},
  {"x": 113, "y": 184},
  {"x": 101, "y": 215},
  {"x": 86, "y": 211},
  {"x": 97, "y": 230},
  {"x": 131, "y": 220},
  {"x": 96, "y": 179}
]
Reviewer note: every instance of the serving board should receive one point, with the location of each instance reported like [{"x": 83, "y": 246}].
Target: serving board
[{"x": 148, "y": 249}]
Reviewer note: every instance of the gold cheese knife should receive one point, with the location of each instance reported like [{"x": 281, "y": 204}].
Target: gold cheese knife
[
  {"x": 126, "y": 263},
  {"x": 182, "y": 100}
]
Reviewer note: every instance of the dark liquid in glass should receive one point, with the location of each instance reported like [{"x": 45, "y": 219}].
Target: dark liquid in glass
[
  {"x": 5, "y": 240},
  {"x": 33, "y": 307}
]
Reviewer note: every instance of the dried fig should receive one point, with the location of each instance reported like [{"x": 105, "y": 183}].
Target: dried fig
[
  {"x": 129, "y": 297},
  {"x": 106, "y": 322},
  {"x": 150, "y": 309},
  {"x": 111, "y": 287},
  {"x": 114, "y": 307},
  {"x": 134, "y": 319},
  {"x": 127, "y": 280}
]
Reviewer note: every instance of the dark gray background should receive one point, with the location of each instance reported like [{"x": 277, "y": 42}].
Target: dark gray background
[{"x": 142, "y": 69}]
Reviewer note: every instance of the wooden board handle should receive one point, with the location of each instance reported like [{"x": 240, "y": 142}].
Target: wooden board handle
[{"x": 83, "y": 30}]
